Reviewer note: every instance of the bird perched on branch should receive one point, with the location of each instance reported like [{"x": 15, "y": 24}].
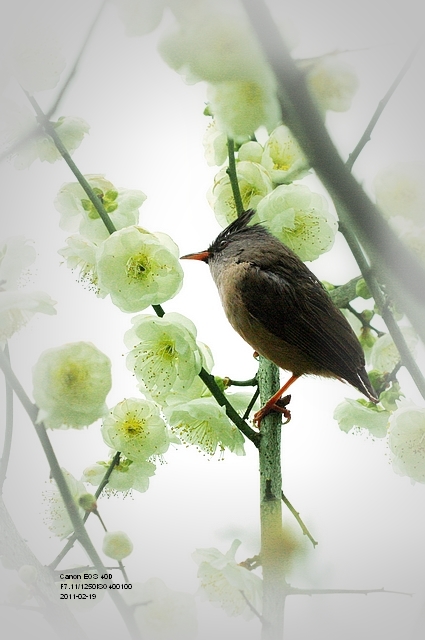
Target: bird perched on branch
[{"x": 279, "y": 307}]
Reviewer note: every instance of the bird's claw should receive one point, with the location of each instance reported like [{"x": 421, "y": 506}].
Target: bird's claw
[{"x": 279, "y": 406}]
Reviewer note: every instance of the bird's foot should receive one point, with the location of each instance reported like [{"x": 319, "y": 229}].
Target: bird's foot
[{"x": 279, "y": 406}]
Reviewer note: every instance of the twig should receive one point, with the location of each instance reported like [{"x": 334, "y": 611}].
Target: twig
[
  {"x": 297, "y": 517},
  {"x": 34, "y": 131},
  {"x": 70, "y": 542},
  {"x": 50, "y": 130},
  {"x": 77, "y": 61},
  {"x": 233, "y": 176},
  {"x": 65, "y": 493},
  {"x": 7, "y": 444},
  {"x": 407, "y": 358},
  {"x": 381, "y": 106},
  {"x": 405, "y": 275}
]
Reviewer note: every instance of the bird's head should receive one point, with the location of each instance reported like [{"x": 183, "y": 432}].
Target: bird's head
[{"x": 231, "y": 241}]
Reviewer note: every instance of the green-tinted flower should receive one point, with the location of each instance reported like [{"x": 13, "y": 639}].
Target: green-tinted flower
[
  {"x": 227, "y": 584},
  {"x": 116, "y": 545},
  {"x": 354, "y": 413},
  {"x": 18, "y": 307},
  {"x": 385, "y": 356},
  {"x": 250, "y": 151},
  {"x": 215, "y": 145},
  {"x": 197, "y": 389},
  {"x": 215, "y": 46},
  {"x": 138, "y": 268},
  {"x": 400, "y": 191},
  {"x": 78, "y": 212},
  {"x": 164, "y": 354},
  {"x": 300, "y": 219},
  {"x": 406, "y": 439},
  {"x": 410, "y": 234},
  {"x": 71, "y": 383},
  {"x": 282, "y": 157},
  {"x": 161, "y": 613},
  {"x": 203, "y": 423},
  {"x": 18, "y": 122},
  {"x": 240, "y": 107},
  {"x": 135, "y": 427},
  {"x": 80, "y": 254},
  {"x": 127, "y": 475},
  {"x": 332, "y": 83},
  {"x": 57, "y": 518},
  {"x": 254, "y": 184}
]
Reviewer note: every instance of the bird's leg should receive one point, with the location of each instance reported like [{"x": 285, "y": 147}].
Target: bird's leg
[{"x": 272, "y": 404}]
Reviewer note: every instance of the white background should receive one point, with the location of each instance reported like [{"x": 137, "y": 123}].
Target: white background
[{"x": 146, "y": 133}]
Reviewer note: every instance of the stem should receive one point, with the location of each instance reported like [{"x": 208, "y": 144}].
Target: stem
[
  {"x": 272, "y": 546},
  {"x": 297, "y": 517},
  {"x": 233, "y": 176},
  {"x": 50, "y": 130},
  {"x": 7, "y": 445},
  {"x": 406, "y": 356},
  {"x": 381, "y": 106},
  {"x": 395, "y": 265},
  {"x": 70, "y": 543},
  {"x": 57, "y": 475},
  {"x": 210, "y": 382}
]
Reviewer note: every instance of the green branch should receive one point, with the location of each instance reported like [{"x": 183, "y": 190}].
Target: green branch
[
  {"x": 50, "y": 130},
  {"x": 71, "y": 507},
  {"x": 233, "y": 176}
]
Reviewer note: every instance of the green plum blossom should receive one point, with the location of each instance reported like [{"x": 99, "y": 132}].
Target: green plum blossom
[
  {"x": 227, "y": 584},
  {"x": 300, "y": 219},
  {"x": 134, "y": 427},
  {"x": 356, "y": 413},
  {"x": 79, "y": 214},
  {"x": 18, "y": 122},
  {"x": 406, "y": 439},
  {"x": 18, "y": 307},
  {"x": 250, "y": 151},
  {"x": 240, "y": 107},
  {"x": 71, "y": 383},
  {"x": 215, "y": 145},
  {"x": 80, "y": 254},
  {"x": 126, "y": 475},
  {"x": 332, "y": 82},
  {"x": 204, "y": 424},
  {"x": 385, "y": 356},
  {"x": 282, "y": 157},
  {"x": 161, "y": 613},
  {"x": 400, "y": 191},
  {"x": 116, "y": 545},
  {"x": 164, "y": 355},
  {"x": 56, "y": 517},
  {"x": 411, "y": 234},
  {"x": 214, "y": 46},
  {"x": 254, "y": 184},
  {"x": 138, "y": 268}
]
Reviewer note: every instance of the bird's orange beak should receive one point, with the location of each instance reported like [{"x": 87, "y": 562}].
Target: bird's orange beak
[{"x": 202, "y": 255}]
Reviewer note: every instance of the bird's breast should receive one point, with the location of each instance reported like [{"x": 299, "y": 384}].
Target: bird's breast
[{"x": 289, "y": 357}]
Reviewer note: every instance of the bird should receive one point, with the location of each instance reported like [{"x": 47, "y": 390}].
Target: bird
[{"x": 282, "y": 310}]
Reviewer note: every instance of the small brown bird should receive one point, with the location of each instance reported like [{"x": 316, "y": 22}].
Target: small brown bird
[{"x": 281, "y": 309}]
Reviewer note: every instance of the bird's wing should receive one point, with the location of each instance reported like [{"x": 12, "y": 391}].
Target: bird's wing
[{"x": 296, "y": 308}]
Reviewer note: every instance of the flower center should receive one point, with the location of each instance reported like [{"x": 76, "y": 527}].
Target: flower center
[{"x": 138, "y": 266}]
